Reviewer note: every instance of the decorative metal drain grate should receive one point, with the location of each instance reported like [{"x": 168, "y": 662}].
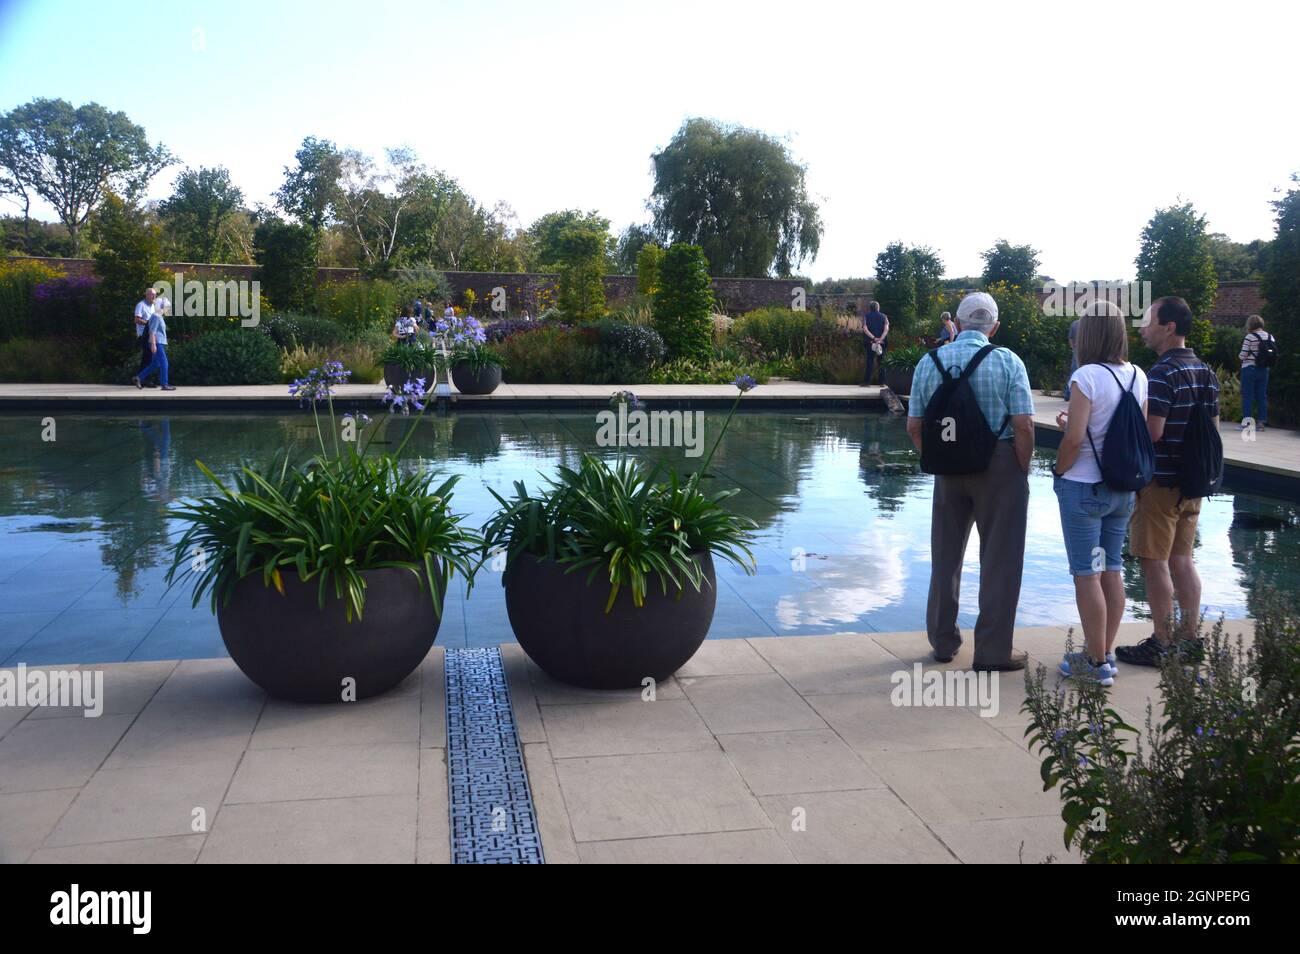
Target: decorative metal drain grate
[{"x": 492, "y": 815}]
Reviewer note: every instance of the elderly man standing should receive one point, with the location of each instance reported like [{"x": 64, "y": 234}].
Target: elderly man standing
[
  {"x": 144, "y": 310},
  {"x": 978, "y": 440}
]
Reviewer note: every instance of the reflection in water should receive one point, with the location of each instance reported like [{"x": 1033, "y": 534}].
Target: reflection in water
[{"x": 842, "y": 509}]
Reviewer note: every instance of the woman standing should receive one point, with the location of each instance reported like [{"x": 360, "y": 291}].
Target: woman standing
[
  {"x": 1258, "y": 355},
  {"x": 1094, "y": 517}
]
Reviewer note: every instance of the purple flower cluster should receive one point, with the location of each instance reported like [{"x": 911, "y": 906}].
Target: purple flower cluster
[
  {"x": 406, "y": 398},
  {"x": 626, "y": 397},
  {"x": 461, "y": 331},
  {"x": 745, "y": 383},
  {"x": 318, "y": 384}
]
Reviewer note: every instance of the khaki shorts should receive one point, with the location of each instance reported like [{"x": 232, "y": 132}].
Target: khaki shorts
[{"x": 1162, "y": 526}]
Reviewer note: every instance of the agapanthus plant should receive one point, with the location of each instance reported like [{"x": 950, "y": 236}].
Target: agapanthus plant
[
  {"x": 623, "y": 523},
  {"x": 329, "y": 519}
]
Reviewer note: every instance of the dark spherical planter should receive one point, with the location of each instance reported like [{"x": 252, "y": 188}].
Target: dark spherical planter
[
  {"x": 900, "y": 382},
  {"x": 396, "y": 377},
  {"x": 561, "y": 623},
  {"x": 467, "y": 381},
  {"x": 297, "y": 651}
]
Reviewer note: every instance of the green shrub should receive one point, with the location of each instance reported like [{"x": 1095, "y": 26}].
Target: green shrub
[
  {"x": 709, "y": 371},
  {"x": 286, "y": 263},
  {"x": 799, "y": 334},
  {"x": 581, "y": 293},
  {"x": 1217, "y": 777},
  {"x": 359, "y": 358},
  {"x": 1229, "y": 395},
  {"x": 310, "y": 331},
  {"x": 49, "y": 361},
  {"x": 361, "y": 304},
  {"x": 552, "y": 356},
  {"x": 629, "y": 351},
  {"x": 647, "y": 269},
  {"x": 1041, "y": 341},
  {"x": 683, "y": 305},
  {"x": 228, "y": 356},
  {"x": 18, "y": 280}
]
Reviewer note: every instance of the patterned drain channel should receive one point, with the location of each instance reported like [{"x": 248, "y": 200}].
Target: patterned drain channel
[{"x": 492, "y": 815}]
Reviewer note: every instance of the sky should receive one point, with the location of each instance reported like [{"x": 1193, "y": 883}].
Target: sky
[{"x": 1060, "y": 125}]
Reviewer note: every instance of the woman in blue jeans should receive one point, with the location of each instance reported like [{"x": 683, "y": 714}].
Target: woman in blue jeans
[
  {"x": 1254, "y": 374},
  {"x": 156, "y": 332},
  {"x": 1094, "y": 518}
]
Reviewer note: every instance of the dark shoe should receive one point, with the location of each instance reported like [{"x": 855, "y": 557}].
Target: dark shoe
[
  {"x": 943, "y": 659},
  {"x": 1190, "y": 649},
  {"x": 1019, "y": 659},
  {"x": 168, "y": 387},
  {"x": 1149, "y": 652},
  {"x": 151, "y": 384},
  {"x": 136, "y": 382}
]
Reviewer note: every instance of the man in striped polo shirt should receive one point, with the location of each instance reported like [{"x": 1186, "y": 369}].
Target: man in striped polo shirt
[{"x": 1162, "y": 532}]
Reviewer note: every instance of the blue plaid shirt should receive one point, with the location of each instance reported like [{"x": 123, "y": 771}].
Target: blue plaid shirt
[{"x": 1000, "y": 383}]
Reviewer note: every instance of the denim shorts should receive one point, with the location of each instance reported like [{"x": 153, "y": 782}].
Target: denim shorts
[{"x": 1093, "y": 519}]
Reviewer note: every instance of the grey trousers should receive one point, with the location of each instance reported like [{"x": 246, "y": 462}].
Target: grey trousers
[{"x": 997, "y": 503}]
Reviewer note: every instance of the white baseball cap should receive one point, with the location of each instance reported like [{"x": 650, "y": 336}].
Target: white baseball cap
[{"x": 977, "y": 301}]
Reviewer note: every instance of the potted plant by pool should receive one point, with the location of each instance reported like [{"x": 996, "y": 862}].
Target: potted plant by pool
[
  {"x": 327, "y": 577},
  {"x": 475, "y": 367},
  {"x": 609, "y": 573},
  {"x": 899, "y": 365},
  {"x": 407, "y": 362},
  {"x": 476, "y": 370}
]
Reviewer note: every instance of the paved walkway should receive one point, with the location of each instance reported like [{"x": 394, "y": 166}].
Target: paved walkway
[
  {"x": 1273, "y": 452},
  {"x": 769, "y": 749}
]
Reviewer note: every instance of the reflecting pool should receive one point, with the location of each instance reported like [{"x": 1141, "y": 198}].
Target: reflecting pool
[{"x": 843, "y": 513}]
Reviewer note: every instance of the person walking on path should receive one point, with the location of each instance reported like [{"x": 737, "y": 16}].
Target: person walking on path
[
  {"x": 875, "y": 329},
  {"x": 1095, "y": 514},
  {"x": 1183, "y": 420},
  {"x": 156, "y": 333},
  {"x": 1258, "y": 355},
  {"x": 994, "y": 499},
  {"x": 143, "y": 312}
]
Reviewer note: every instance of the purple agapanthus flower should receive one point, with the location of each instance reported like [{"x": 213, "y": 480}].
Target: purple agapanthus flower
[
  {"x": 626, "y": 397},
  {"x": 406, "y": 398},
  {"x": 318, "y": 383},
  {"x": 745, "y": 383},
  {"x": 461, "y": 331}
]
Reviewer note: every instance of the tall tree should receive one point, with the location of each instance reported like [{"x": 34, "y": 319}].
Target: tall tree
[
  {"x": 546, "y": 236},
  {"x": 371, "y": 199},
  {"x": 908, "y": 284},
  {"x": 739, "y": 195},
  {"x": 1009, "y": 264},
  {"x": 197, "y": 210},
  {"x": 582, "y": 249},
  {"x": 1238, "y": 261},
  {"x": 309, "y": 187},
  {"x": 72, "y": 156},
  {"x": 1175, "y": 257}
]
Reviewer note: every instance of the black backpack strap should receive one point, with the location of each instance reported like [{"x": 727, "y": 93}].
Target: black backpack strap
[
  {"x": 980, "y": 355},
  {"x": 943, "y": 372}
]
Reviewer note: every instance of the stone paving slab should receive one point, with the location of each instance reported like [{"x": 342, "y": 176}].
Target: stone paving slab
[{"x": 761, "y": 750}]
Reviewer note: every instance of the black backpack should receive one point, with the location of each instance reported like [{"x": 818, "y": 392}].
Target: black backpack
[
  {"x": 1266, "y": 353},
  {"x": 1200, "y": 468},
  {"x": 955, "y": 436},
  {"x": 1129, "y": 460}
]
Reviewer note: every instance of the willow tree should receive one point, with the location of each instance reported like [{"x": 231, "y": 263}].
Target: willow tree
[{"x": 739, "y": 195}]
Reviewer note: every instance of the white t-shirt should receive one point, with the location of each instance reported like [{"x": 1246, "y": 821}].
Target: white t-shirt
[
  {"x": 142, "y": 310},
  {"x": 1098, "y": 386}
]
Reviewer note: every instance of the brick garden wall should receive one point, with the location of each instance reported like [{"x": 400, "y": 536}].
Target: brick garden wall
[{"x": 1234, "y": 302}]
